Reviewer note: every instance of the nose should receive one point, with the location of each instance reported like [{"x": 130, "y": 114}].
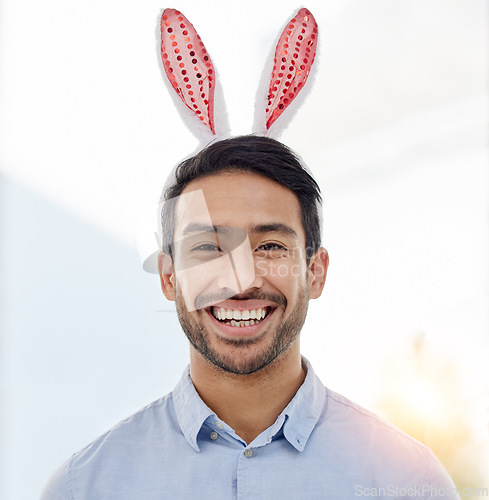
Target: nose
[
  {"x": 249, "y": 271},
  {"x": 258, "y": 275},
  {"x": 243, "y": 267}
]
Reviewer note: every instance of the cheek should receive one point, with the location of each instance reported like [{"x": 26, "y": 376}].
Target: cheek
[
  {"x": 283, "y": 273},
  {"x": 188, "y": 287}
]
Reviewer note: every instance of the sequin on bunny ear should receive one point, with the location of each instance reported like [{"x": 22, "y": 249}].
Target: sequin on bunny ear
[
  {"x": 294, "y": 56},
  {"x": 187, "y": 65}
]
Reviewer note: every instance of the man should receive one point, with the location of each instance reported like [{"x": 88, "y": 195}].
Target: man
[{"x": 249, "y": 419}]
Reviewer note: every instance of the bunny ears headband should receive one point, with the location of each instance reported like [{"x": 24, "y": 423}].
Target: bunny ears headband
[{"x": 191, "y": 73}]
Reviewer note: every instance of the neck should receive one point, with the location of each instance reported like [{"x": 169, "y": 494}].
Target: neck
[{"x": 249, "y": 403}]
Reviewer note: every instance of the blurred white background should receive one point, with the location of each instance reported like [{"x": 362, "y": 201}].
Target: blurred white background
[{"x": 395, "y": 130}]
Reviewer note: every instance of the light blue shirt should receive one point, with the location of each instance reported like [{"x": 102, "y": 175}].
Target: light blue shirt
[{"x": 322, "y": 446}]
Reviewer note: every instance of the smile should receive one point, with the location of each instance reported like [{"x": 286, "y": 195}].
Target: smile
[{"x": 240, "y": 317}]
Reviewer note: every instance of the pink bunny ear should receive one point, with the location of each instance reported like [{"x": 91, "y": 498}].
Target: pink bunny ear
[
  {"x": 188, "y": 65},
  {"x": 294, "y": 56}
]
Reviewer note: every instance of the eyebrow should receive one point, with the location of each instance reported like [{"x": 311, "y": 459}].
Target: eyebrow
[
  {"x": 196, "y": 227},
  {"x": 274, "y": 227}
]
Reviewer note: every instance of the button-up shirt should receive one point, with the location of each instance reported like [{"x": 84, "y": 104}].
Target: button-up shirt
[{"x": 322, "y": 446}]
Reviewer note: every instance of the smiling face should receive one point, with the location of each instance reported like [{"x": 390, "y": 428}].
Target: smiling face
[{"x": 239, "y": 273}]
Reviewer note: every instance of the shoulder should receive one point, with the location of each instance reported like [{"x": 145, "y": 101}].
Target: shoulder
[
  {"x": 368, "y": 443},
  {"x": 124, "y": 442},
  {"x": 346, "y": 413},
  {"x": 155, "y": 419},
  {"x": 349, "y": 418}
]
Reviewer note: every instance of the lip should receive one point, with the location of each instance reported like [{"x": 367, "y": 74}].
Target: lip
[{"x": 242, "y": 331}]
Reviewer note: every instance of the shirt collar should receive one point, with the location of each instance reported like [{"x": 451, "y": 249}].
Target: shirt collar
[
  {"x": 190, "y": 409},
  {"x": 299, "y": 417},
  {"x": 304, "y": 410}
]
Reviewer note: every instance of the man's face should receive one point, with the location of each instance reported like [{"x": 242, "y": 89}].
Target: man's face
[{"x": 240, "y": 277}]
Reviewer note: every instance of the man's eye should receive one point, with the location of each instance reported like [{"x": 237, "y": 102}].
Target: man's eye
[
  {"x": 271, "y": 246},
  {"x": 206, "y": 247},
  {"x": 271, "y": 250}
]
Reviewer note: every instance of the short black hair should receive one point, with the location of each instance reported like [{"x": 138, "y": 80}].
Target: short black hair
[{"x": 253, "y": 154}]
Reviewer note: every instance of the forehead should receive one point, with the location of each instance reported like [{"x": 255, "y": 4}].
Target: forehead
[{"x": 238, "y": 199}]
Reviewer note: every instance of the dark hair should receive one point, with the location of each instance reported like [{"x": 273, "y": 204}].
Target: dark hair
[{"x": 254, "y": 154}]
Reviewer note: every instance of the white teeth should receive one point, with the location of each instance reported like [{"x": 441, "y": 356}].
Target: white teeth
[{"x": 239, "y": 317}]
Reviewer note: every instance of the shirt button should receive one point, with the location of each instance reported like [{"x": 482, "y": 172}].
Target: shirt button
[
  {"x": 219, "y": 425},
  {"x": 248, "y": 453},
  {"x": 214, "y": 435}
]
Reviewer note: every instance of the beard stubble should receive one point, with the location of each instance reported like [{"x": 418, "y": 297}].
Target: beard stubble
[{"x": 238, "y": 361}]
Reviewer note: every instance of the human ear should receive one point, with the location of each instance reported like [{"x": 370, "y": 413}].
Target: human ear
[
  {"x": 167, "y": 275},
  {"x": 318, "y": 268}
]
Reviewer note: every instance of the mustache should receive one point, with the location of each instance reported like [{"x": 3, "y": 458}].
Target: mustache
[{"x": 208, "y": 299}]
